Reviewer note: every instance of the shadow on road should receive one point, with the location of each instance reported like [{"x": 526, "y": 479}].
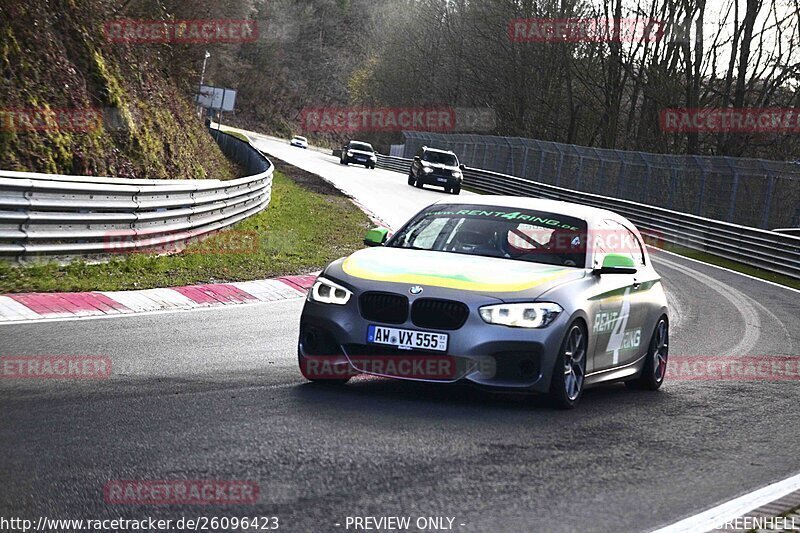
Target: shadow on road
[{"x": 390, "y": 397}]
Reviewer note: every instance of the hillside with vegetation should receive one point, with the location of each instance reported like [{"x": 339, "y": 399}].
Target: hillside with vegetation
[{"x": 57, "y": 65}]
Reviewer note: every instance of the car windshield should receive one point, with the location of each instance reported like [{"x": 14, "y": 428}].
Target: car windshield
[
  {"x": 440, "y": 158},
  {"x": 364, "y": 147},
  {"x": 492, "y": 231},
  {"x": 300, "y": 139}
]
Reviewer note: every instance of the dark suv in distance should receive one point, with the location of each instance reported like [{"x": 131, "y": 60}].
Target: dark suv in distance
[
  {"x": 436, "y": 167},
  {"x": 360, "y": 153}
]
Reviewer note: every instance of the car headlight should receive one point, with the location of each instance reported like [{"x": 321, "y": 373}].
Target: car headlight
[
  {"x": 427, "y": 170},
  {"x": 325, "y": 291},
  {"x": 349, "y": 153},
  {"x": 525, "y": 315},
  {"x": 457, "y": 174},
  {"x": 373, "y": 157}
]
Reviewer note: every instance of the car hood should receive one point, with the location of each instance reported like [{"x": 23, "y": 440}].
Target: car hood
[{"x": 489, "y": 275}]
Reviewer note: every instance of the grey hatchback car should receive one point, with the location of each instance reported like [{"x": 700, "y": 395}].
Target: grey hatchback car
[{"x": 507, "y": 293}]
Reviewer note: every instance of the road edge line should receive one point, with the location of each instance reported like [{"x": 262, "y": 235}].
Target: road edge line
[{"x": 732, "y": 509}]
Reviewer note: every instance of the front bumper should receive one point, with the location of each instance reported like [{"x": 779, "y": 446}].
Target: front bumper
[
  {"x": 357, "y": 160},
  {"x": 440, "y": 181},
  {"x": 490, "y": 356}
]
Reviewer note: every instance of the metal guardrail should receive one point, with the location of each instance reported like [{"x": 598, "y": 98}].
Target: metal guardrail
[
  {"x": 397, "y": 164},
  {"x": 65, "y": 216},
  {"x": 777, "y": 252},
  {"x": 750, "y": 192}
]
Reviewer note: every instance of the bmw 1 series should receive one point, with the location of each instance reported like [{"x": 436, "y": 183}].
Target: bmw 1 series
[{"x": 506, "y": 293}]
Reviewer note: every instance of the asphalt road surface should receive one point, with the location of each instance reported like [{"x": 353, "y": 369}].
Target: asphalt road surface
[{"x": 216, "y": 394}]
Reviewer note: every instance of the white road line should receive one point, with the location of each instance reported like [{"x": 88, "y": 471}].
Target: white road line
[
  {"x": 742, "y": 303},
  {"x": 716, "y": 517}
]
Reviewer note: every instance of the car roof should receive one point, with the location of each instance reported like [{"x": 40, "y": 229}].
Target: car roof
[
  {"x": 428, "y": 149},
  {"x": 360, "y": 142},
  {"x": 584, "y": 212}
]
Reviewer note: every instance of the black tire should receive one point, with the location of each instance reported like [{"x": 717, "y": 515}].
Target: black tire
[
  {"x": 418, "y": 184},
  {"x": 655, "y": 365},
  {"x": 411, "y": 179},
  {"x": 565, "y": 393},
  {"x": 456, "y": 190},
  {"x": 345, "y": 162}
]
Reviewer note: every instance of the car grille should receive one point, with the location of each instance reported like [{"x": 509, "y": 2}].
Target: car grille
[
  {"x": 384, "y": 307},
  {"x": 439, "y": 314}
]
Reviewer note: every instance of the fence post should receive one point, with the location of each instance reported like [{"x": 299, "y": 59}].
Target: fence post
[
  {"x": 703, "y": 178},
  {"x": 673, "y": 186},
  {"x": 560, "y": 164},
  {"x": 648, "y": 179},
  {"x": 734, "y": 191},
  {"x": 525, "y": 163},
  {"x": 541, "y": 161},
  {"x": 768, "y": 198}
]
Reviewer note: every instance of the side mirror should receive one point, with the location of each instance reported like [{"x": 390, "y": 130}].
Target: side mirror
[
  {"x": 462, "y": 166},
  {"x": 376, "y": 237},
  {"x": 416, "y": 158},
  {"x": 617, "y": 264}
]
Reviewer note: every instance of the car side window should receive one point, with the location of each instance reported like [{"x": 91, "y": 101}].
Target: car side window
[
  {"x": 622, "y": 240},
  {"x": 638, "y": 246}
]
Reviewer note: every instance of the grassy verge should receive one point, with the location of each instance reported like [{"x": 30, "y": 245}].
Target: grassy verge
[
  {"x": 236, "y": 134},
  {"x": 307, "y": 225}
]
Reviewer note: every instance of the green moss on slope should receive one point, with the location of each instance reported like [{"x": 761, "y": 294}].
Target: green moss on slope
[{"x": 54, "y": 56}]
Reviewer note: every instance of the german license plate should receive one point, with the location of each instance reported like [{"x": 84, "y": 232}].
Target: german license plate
[
  {"x": 407, "y": 339},
  {"x": 441, "y": 180}
]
